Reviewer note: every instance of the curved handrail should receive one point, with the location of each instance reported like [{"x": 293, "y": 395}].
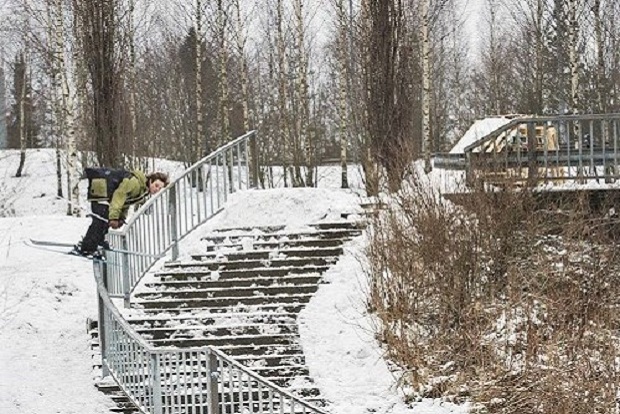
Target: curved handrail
[
  {"x": 159, "y": 225},
  {"x": 139, "y": 368}
]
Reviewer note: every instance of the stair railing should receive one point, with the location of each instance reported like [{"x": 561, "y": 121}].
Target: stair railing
[
  {"x": 182, "y": 380},
  {"x": 166, "y": 218},
  {"x": 172, "y": 380}
]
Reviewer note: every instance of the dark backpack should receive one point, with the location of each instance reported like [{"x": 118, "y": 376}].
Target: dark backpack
[{"x": 102, "y": 182}]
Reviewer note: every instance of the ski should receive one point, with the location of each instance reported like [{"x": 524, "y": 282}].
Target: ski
[
  {"x": 55, "y": 247},
  {"x": 49, "y": 243}
]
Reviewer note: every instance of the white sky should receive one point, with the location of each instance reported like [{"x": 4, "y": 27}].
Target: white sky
[{"x": 45, "y": 299}]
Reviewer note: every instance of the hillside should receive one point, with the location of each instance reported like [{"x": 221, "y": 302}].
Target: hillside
[{"x": 45, "y": 299}]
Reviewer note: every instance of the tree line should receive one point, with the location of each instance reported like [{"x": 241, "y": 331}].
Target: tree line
[{"x": 375, "y": 82}]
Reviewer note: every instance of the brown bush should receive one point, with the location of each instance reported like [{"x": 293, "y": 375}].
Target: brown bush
[{"x": 500, "y": 300}]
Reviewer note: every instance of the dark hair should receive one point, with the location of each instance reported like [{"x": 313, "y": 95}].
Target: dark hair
[{"x": 163, "y": 177}]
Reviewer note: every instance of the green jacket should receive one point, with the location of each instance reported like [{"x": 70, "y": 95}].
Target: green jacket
[{"x": 131, "y": 190}]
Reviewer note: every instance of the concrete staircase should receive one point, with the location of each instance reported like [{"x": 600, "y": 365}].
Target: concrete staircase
[{"x": 242, "y": 295}]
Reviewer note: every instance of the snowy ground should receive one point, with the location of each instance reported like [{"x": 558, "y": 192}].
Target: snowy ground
[{"x": 46, "y": 298}]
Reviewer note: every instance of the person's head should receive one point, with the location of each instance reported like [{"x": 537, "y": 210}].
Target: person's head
[{"x": 156, "y": 181}]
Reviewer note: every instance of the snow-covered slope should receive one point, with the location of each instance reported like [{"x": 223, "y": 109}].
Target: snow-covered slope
[{"x": 45, "y": 299}]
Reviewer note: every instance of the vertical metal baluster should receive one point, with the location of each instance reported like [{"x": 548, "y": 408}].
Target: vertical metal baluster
[
  {"x": 238, "y": 146},
  {"x": 225, "y": 174},
  {"x": 231, "y": 167},
  {"x": 259, "y": 386},
  {"x": 592, "y": 164},
  {"x": 250, "y": 394},
  {"x": 198, "y": 174},
  {"x": 615, "y": 128},
  {"x": 567, "y": 130},
  {"x": 202, "y": 376},
  {"x": 211, "y": 187},
  {"x": 187, "y": 198},
  {"x": 246, "y": 157},
  {"x": 217, "y": 183},
  {"x": 158, "y": 401},
  {"x": 231, "y": 383},
  {"x": 203, "y": 177},
  {"x": 603, "y": 147}
]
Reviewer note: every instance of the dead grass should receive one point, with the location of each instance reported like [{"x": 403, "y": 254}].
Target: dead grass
[{"x": 502, "y": 301}]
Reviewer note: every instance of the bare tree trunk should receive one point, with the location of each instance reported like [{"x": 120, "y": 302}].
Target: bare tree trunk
[
  {"x": 131, "y": 86},
  {"x": 539, "y": 57},
  {"x": 22, "y": 121},
  {"x": 573, "y": 55},
  {"x": 342, "y": 90},
  {"x": 426, "y": 83},
  {"x": 303, "y": 114},
  {"x": 600, "y": 60},
  {"x": 199, "y": 114},
  {"x": 223, "y": 75},
  {"x": 241, "y": 41},
  {"x": 282, "y": 109},
  {"x": 73, "y": 192},
  {"x": 369, "y": 155}
]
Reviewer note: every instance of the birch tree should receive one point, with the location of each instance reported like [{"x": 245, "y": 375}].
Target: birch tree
[
  {"x": 66, "y": 108},
  {"x": 284, "y": 132},
  {"x": 304, "y": 137},
  {"x": 342, "y": 80},
  {"x": 223, "y": 95}
]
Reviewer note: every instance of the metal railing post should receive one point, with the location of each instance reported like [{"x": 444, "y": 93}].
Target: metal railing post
[
  {"x": 125, "y": 270},
  {"x": 253, "y": 160},
  {"x": 225, "y": 165},
  {"x": 101, "y": 268},
  {"x": 174, "y": 231},
  {"x": 157, "y": 400},
  {"x": 212, "y": 383}
]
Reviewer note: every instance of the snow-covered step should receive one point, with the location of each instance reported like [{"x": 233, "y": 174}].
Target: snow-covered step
[
  {"x": 266, "y": 253},
  {"x": 235, "y": 282},
  {"x": 198, "y": 274},
  {"x": 276, "y": 261},
  {"x": 223, "y": 292},
  {"x": 292, "y": 308},
  {"x": 242, "y": 295},
  {"x": 202, "y": 331},
  {"x": 246, "y": 340},
  {"x": 182, "y": 320},
  {"x": 221, "y": 302}
]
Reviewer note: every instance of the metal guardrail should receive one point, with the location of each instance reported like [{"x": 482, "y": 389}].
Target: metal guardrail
[
  {"x": 189, "y": 380},
  {"x": 172, "y": 380},
  {"x": 189, "y": 201},
  {"x": 547, "y": 149}
]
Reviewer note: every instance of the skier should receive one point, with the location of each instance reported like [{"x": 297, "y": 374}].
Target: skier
[{"x": 111, "y": 192}]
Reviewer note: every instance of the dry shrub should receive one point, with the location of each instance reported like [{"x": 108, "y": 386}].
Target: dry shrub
[{"x": 499, "y": 300}]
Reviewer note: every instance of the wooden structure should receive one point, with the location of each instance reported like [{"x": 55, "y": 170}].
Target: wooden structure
[{"x": 537, "y": 151}]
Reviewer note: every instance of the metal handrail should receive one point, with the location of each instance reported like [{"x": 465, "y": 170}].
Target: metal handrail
[
  {"x": 156, "y": 380},
  {"x": 188, "y": 202},
  {"x": 153, "y": 377}
]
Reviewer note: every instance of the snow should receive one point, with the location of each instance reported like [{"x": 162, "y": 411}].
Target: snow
[
  {"x": 46, "y": 365},
  {"x": 479, "y": 129}
]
